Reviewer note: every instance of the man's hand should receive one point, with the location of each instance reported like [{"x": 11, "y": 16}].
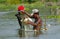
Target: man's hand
[
  {"x": 31, "y": 23},
  {"x": 22, "y": 11}
]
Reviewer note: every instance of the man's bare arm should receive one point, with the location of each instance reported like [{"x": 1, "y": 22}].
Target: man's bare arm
[
  {"x": 26, "y": 13},
  {"x": 32, "y": 23}
]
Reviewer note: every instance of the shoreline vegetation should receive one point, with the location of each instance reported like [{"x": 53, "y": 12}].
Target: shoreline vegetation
[
  {"x": 28, "y": 7},
  {"x": 9, "y": 7}
]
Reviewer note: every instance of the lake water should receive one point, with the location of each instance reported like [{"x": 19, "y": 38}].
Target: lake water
[{"x": 9, "y": 29}]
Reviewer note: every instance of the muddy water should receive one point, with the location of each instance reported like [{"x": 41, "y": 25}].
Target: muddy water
[{"x": 9, "y": 29}]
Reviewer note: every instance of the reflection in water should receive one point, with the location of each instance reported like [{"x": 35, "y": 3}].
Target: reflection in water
[
  {"x": 23, "y": 33},
  {"x": 37, "y": 33}
]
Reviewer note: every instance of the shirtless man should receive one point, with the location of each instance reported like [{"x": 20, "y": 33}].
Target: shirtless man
[{"x": 38, "y": 22}]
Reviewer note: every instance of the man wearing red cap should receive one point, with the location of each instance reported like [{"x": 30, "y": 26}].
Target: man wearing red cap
[{"x": 19, "y": 16}]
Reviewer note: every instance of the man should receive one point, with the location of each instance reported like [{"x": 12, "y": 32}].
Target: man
[
  {"x": 18, "y": 15},
  {"x": 38, "y": 22}
]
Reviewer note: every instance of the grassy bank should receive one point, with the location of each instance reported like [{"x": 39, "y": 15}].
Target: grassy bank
[
  {"x": 4, "y": 7},
  {"x": 28, "y": 7}
]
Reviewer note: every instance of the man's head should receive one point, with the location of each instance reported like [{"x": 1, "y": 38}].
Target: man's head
[
  {"x": 35, "y": 11},
  {"x": 20, "y": 8}
]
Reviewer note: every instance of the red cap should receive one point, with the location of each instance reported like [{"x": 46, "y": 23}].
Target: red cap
[{"x": 20, "y": 8}]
